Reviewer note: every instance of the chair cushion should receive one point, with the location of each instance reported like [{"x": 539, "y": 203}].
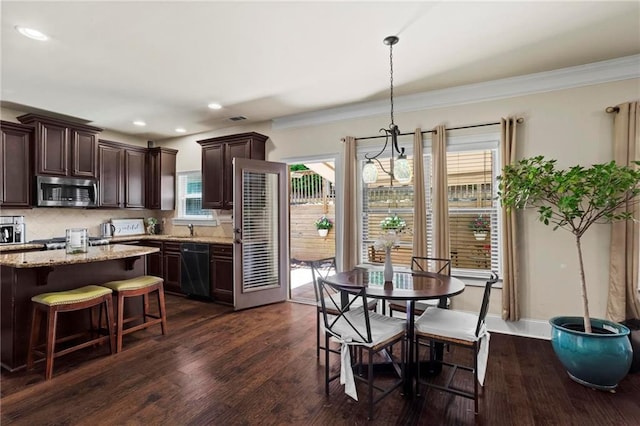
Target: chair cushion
[
  {"x": 449, "y": 323},
  {"x": 133, "y": 283},
  {"x": 76, "y": 295},
  {"x": 383, "y": 327}
]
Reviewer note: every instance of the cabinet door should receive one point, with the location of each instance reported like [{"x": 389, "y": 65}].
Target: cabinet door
[
  {"x": 222, "y": 273},
  {"x": 83, "y": 153},
  {"x": 15, "y": 176},
  {"x": 110, "y": 161},
  {"x": 153, "y": 181},
  {"x": 172, "y": 261},
  {"x": 134, "y": 178},
  {"x": 154, "y": 260},
  {"x": 52, "y": 152},
  {"x": 213, "y": 177},
  {"x": 238, "y": 149},
  {"x": 161, "y": 178}
]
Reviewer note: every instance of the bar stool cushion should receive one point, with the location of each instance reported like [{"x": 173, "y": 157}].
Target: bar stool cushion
[
  {"x": 133, "y": 283},
  {"x": 77, "y": 295}
]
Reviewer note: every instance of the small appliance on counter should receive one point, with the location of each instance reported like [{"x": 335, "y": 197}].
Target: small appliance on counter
[
  {"x": 107, "y": 230},
  {"x": 12, "y": 230},
  {"x": 77, "y": 240}
]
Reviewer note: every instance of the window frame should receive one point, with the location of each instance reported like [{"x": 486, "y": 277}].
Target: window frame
[
  {"x": 183, "y": 219},
  {"x": 470, "y": 142}
]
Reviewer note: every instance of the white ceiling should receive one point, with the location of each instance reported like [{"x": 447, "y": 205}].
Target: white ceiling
[{"x": 111, "y": 63}]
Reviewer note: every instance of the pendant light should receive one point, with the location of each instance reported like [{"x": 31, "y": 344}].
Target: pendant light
[{"x": 400, "y": 169}]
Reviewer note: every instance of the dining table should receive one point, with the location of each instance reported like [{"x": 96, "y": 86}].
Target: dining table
[{"x": 408, "y": 286}]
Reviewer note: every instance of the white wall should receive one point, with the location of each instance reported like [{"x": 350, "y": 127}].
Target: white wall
[{"x": 569, "y": 125}]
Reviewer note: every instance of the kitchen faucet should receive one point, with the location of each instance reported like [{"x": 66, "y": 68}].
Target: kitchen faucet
[{"x": 190, "y": 226}]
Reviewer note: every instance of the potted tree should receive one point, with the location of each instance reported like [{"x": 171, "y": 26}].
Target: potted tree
[
  {"x": 595, "y": 352},
  {"x": 323, "y": 225}
]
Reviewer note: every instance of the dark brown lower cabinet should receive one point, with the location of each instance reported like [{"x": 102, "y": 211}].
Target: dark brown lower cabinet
[
  {"x": 154, "y": 260},
  {"x": 171, "y": 265},
  {"x": 221, "y": 273}
]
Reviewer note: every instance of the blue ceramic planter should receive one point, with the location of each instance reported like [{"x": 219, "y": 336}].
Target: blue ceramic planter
[{"x": 596, "y": 360}]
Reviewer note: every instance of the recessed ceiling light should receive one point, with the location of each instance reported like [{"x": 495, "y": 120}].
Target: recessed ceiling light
[
  {"x": 214, "y": 105},
  {"x": 31, "y": 33},
  {"x": 180, "y": 130},
  {"x": 139, "y": 123}
]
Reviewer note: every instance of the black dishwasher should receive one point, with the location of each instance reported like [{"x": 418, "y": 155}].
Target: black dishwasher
[{"x": 194, "y": 270}]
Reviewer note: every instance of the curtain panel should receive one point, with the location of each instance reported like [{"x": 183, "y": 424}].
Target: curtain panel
[
  {"x": 349, "y": 221},
  {"x": 440, "y": 194},
  {"x": 510, "y": 300},
  {"x": 419, "y": 202},
  {"x": 623, "y": 299}
]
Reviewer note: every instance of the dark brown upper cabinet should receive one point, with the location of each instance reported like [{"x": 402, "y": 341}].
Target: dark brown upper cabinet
[
  {"x": 217, "y": 165},
  {"x": 161, "y": 178},
  {"x": 122, "y": 175},
  {"x": 15, "y": 173},
  {"x": 63, "y": 148}
]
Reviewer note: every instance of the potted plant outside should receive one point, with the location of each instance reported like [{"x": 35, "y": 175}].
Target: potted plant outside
[
  {"x": 596, "y": 352},
  {"x": 323, "y": 225},
  {"x": 480, "y": 227},
  {"x": 393, "y": 223}
]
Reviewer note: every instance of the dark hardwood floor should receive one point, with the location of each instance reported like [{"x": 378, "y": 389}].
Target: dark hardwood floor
[{"x": 218, "y": 367}]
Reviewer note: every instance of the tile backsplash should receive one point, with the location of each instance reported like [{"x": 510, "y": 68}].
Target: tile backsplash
[{"x": 41, "y": 223}]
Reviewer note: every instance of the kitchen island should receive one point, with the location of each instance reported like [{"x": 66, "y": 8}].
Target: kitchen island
[{"x": 24, "y": 275}]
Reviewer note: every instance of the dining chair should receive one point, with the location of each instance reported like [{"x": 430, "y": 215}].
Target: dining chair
[
  {"x": 463, "y": 329},
  {"x": 356, "y": 327},
  {"x": 430, "y": 264},
  {"x": 322, "y": 268}
]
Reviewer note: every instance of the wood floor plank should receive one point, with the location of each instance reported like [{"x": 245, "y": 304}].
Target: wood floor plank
[{"x": 219, "y": 367}]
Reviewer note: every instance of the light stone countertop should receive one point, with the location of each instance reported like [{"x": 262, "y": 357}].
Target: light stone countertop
[
  {"x": 176, "y": 238},
  {"x": 145, "y": 237},
  {"x": 36, "y": 259},
  {"x": 16, "y": 247}
]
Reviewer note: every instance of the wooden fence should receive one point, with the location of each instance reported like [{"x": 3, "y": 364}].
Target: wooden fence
[{"x": 306, "y": 244}]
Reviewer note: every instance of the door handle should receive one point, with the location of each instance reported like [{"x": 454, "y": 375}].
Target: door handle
[{"x": 238, "y": 241}]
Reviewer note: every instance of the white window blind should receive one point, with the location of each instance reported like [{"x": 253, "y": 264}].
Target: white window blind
[{"x": 260, "y": 246}]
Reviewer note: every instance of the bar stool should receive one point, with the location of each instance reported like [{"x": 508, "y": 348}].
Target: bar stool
[
  {"x": 50, "y": 304},
  {"x": 138, "y": 286}
]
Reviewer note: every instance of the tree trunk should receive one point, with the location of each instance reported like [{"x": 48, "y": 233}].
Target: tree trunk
[{"x": 585, "y": 300}]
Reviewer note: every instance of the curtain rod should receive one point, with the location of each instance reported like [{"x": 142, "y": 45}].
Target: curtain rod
[
  {"x": 519, "y": 120},
  {"x": 612, "y": 109}
]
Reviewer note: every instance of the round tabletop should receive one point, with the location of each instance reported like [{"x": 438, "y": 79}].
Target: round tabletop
[{"x": 409, "y": 285}]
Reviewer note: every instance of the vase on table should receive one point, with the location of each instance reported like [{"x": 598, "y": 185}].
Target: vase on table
[
  {"x": 388, "y": 266},
  {"x": 323, "y": 232}
]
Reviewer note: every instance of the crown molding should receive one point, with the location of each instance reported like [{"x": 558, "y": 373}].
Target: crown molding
[{"x": 624, "y": 68}]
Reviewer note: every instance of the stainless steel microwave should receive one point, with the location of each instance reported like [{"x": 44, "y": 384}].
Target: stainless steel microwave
[{"x": 66, "y": 192}]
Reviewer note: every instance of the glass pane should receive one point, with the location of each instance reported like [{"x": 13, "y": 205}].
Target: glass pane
[
  {"x": 260, "y": 230},
  {"x": 470, "y": 244},
  {"x": 470, "y": 177}
]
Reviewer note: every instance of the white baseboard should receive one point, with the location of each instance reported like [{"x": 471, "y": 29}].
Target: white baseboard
[{"x": 537, "y": 329}]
